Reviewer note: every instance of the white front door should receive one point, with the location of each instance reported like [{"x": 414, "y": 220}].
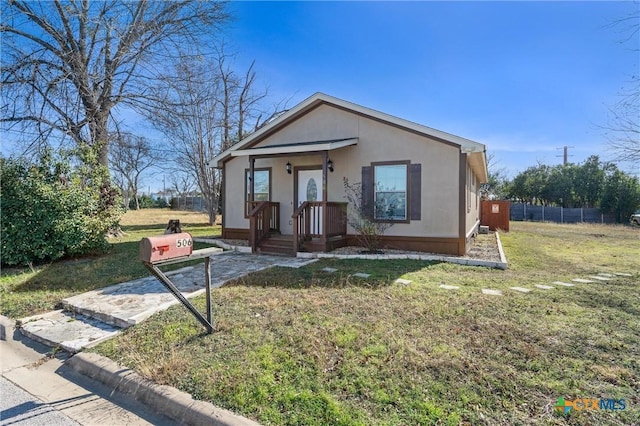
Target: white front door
[{"x": 310, "y": 189}]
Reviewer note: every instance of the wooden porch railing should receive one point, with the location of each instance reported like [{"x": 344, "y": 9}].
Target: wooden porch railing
[
  {"x": 317, "y": 219},
  {"x": 301, "y": 224},
  {"x": 274, "y": 224},
  {"x": 336, "y": 219},
  {"x": 263, "y": 218}
]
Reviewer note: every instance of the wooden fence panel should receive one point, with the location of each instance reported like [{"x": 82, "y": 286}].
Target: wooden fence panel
[{"x": 495, "y": 214}]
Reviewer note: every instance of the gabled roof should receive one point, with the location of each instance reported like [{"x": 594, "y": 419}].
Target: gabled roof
[{"x": 466, "y": 145}]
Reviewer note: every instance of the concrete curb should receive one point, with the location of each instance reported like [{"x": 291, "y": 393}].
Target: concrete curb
[
  {"x": 428, "y": 257},
  {"x": 425, "y": 257},
  {"x": 503, "y": 258},
  {"x": 177, "y": 405}
]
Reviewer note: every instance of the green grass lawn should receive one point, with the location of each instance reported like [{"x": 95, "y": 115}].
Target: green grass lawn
[
  {"x": 29, "y": 291},
  {"x": 307, "y": 347}
]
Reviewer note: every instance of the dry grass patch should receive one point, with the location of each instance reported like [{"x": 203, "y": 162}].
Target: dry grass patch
[{"x": 160, "y": 217}]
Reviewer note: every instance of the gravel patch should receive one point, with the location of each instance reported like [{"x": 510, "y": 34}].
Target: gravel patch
[{"x": 484, "y": 247}]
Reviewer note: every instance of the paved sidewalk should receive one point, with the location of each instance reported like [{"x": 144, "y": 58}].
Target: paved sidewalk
[{"x": 52, "y": 393}]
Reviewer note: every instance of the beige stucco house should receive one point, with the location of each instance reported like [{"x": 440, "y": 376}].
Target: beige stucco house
[{"x": 283, "y": 184}]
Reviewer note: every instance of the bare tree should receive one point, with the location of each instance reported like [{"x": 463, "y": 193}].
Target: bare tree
[
  {"x": 623, "y": 130},
  {"x": 182, "y": 183},
  {"x": 130, "y": 156},
  {"x": 495, "y": 186},
  {"x": 237, "y": 100},
  {"x": 203, "y": 113},
  {"x": 66, "y": 66}
]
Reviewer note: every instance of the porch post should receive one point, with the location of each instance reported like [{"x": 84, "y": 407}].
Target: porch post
[
  {"x": 323, "y": 239},
  {"x": 249, "y": 207},
  {"x": 252, "y": 162}
]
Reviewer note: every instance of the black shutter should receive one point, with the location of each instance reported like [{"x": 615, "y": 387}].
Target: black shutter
[
  {"x": 367, "y": 192},
  {"x": 415, "y": 191}
]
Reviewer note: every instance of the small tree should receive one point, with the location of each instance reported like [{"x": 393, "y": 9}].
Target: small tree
[
  {"x": 621, "y": 194},
  {"x": 360, "y": 217}
]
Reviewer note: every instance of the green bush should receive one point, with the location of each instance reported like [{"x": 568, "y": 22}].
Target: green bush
[
  {"x": 161, "y": 203},
  {"x": 146, "y": 202},
  {"x": 50, "y": 211}
]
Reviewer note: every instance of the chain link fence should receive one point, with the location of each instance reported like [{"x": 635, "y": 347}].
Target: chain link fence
[
  {"x": 521, "y": 211},
  {"x": 196, "y": 204}
]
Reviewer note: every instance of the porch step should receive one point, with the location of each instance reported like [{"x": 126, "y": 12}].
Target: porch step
[{"x": 278, "y": 244}]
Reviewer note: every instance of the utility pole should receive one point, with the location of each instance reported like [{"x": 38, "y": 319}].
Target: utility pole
[{"x": 566, "y": 154}]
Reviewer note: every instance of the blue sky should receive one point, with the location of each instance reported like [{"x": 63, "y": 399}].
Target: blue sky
[{"x": 524, "y": 78}]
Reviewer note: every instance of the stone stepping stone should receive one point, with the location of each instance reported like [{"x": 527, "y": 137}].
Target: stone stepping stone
[
  {"x": 563, "y": 284},
  {"x": 362, "y": 275},
  {"x": 329, "y": 270},
  {"x": 450, "y": 287},
  {"x": 543, "y": 287},
  {"x": 402, "y": 281},
  {"x": 622, "y": 274},
  {"x": 582, "y": 280},
  {"x": 72, "y": 332},
  {"x": 521, "y": 289},
  {"x": 296, "y": 263},
  {"x": 604, "y": 274},
  {"x": 599, "y": 278},
  {"x": 491, "y": 292}
]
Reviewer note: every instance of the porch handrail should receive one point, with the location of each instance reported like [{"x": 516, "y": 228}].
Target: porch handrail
[
  {"x": 300, "y": 226},
  {"x": 274, "y": 225},
  {"x": 318, "y": 219},
  {"x": 259, "y": 220}
]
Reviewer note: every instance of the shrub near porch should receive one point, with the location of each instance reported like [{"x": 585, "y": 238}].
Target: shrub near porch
[{"x": 309, "y": 347}]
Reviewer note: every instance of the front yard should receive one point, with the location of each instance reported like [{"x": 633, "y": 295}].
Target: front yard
[
  {"x": 310, "y": 347},
  {"x": 30, "y": 291}
]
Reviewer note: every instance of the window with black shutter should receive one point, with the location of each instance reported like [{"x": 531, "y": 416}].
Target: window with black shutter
[{"x": 392, "y": 191}]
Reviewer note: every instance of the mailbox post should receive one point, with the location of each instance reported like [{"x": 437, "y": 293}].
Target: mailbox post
[{"x": 175, "y": 248}]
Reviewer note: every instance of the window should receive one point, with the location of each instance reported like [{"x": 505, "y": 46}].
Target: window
[
  {"x": 390, "y": 192},
  {"x": 261, "y": 186}
]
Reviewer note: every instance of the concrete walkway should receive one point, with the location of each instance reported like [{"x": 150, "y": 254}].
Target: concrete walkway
[{"x": 92, "y": 317}]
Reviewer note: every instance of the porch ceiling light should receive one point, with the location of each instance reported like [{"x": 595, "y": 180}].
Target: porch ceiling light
[
  {"x": 330, "y": 165},
  {"x": 288, "y": 167}
]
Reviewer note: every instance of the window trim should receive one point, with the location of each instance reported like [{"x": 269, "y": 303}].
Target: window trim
[
  {"x": 246, "y": 194},
  {"x": 469, "y": 175},
  {"x": 406, "y": 163}
]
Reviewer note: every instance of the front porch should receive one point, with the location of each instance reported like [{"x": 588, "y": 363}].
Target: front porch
[
  {"x": 296, "y": 195},
  {"x": 318, "y": 226}
]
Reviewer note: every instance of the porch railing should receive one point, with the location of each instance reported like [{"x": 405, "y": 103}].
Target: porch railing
[
  {"x": 263, "y": 218},
  {"x": 274, "y": 223},
  {"x": 317, "y": 219}
]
